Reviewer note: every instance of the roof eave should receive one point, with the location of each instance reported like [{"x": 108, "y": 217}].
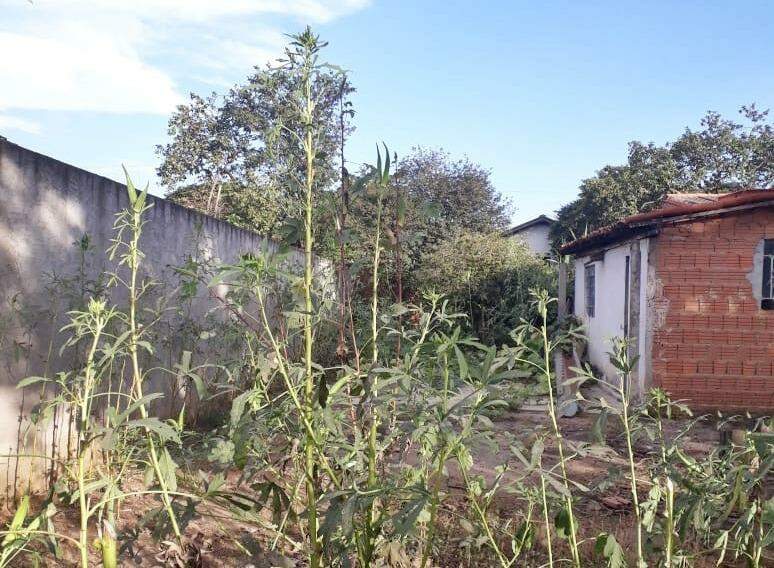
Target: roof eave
[
  {"x": 618, "y": 234},
  {"x": 539, "y": 220},
  {"x": 641, "y": 224}
]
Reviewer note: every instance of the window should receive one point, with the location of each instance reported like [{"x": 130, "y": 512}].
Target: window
[
  {"x": 589, "y": 280},
  {"x": 767, "y": 294}
]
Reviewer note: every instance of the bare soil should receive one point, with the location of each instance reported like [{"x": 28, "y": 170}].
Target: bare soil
[{"x": 215, "y": 539}]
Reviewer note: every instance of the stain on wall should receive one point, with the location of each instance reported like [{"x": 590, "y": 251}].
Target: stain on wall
[{"x": 46, "y": 208}]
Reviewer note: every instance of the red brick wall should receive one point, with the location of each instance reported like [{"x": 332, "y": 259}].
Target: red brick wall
[{"x": 712, "y": 343}]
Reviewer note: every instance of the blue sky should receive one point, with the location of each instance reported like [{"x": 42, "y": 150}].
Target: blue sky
[{"x": 541, "y": 93}]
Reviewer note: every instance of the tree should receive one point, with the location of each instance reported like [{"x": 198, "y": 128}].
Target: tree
[
  {"x": 206, "y": 150},
  {"x": 264, "y": 107},
  {"x": 237, "y": 156},
  {"x": 722, "y": 156},
  {"x": 431, "y": 198},
  {"x": 437, "y": 197},
  {"x": 461, "y": 190},
  {"x": 255, "y": 207}
]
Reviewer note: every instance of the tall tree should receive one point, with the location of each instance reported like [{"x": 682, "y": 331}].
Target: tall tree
[
  {"x": 264, "y": 108},
  {"x": 435, "y": 197},
  {"x": 236, "y": 157},
  {"x": 205, "y": 151},
  {"x": 461, "y": 189},
  {"x": 431, "y": 198},
  {"x": 722, "y": 156}
]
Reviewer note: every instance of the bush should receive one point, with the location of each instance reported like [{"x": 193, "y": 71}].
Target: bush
[{"x": 488, "y": 276}]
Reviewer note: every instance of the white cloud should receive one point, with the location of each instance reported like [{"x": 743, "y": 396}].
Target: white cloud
[
  {"x": 84, "y": 71},
  {"x": 20, "y": 124},
  {"x": 227, "y": 54},
  {"x": 127, "y": 56}
]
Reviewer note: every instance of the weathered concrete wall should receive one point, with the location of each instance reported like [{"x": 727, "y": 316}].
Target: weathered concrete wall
[
  {"x": 47, "y": 206},
  {"x": 607, "y": 322}
]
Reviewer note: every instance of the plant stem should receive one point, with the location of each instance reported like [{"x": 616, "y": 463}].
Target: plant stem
[
  {"x": 558, "y": 434},
  {"x": 371, "y": 516},
  {"x": 84, "y": 527},
  {"x": 632, "y": 468},
  {"x": 374, "y": 346},
  {"x": 443, "y": 454},
  {"x": 670, "y": 522},
  {"x": 134, "y": 264},
  {"x": 341, "y": 222},
  {"x": 85, "y": 399},
  {"x": 434, "y": 502},
  {"x": 315, "y": 557},
  {"x": 546, "y": 518},
  {"x": 504, "y": 562}
]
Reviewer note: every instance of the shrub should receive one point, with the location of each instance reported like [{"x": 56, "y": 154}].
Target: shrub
[{"x": 488, "y": 276}]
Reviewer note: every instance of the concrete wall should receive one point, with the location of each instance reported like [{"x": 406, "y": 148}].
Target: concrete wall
[
  {"x": 45, "y": 207},
  {"x": 536, "y": 238},
  {"x": 610, "y": 305}
]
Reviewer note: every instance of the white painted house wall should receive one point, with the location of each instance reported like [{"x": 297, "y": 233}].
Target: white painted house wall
[
  {"x": 536, "y": 238},
  {"x": 608, "y": 319}
]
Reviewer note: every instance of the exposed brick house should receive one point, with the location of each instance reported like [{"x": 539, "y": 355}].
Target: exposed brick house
[{"x": 691, "y": 284}]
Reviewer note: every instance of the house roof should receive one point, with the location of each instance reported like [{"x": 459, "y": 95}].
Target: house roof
[
  {"x": 674, "y": 208},
  {"x": 539, "y": 220}
]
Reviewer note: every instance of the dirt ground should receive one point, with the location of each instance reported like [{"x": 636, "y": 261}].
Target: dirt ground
[
  {"x": 220, "y": 541},
  {"x": 597, "y": 511}
]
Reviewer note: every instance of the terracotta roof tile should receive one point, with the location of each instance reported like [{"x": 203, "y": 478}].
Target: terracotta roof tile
[{"x": 674, "y": 205}]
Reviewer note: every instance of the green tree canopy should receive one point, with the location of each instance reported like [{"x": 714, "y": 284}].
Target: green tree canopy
[
  {"x": 461, "y": 190},
  {"x": 722, "y": 156},
  {"x": 431, "y": 198},
  {"x": 444, "y": 196},
  {"x": 254, "y": 207},
  {"x": 236, "y": 156}
]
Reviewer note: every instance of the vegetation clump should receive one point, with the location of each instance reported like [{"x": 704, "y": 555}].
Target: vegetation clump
[{"x": 375, "y": 456}]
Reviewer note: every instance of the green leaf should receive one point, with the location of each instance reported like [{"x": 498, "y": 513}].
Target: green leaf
[
  {"x": 18, "y": 519},
  {"x": 164, "y": 431},
  {"x": 238, "y": 408},
  {"x": 222, "y": 452},
  {"x": 31, "y": 381},
  {"x": 467, "y": 526},
  {"x": 348, "y": 516},
  {"x": 130, "y": 189},
  {"x": 332, "y": 519},
  {"x": 89, "y": 488},
  {"x": 168, "y": 469},
  {"x": 386, "y": 173},
  {"x": 379, "y": 170},
  {"x": 132, "y": 408},
  {"x": 339, "y": 384},
  {"x": 562, "y": 522},
  {"x": 597, "y": 434},
  {"x": 536, "y": 453},
  {"x": 607, "y": 546},
  {"x": 486, "y": 422},
  {"x": 462, "y": 362},
  {"x": 406, "y": 519}
]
